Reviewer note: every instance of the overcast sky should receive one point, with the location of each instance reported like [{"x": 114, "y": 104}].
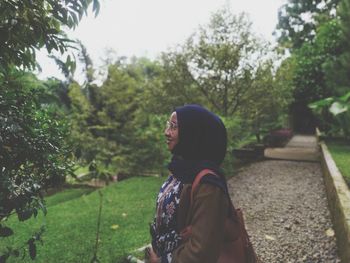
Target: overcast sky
[{"x": 148, "y": 27}]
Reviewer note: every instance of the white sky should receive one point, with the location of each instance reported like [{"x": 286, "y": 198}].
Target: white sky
[{"x": 148, "y": 27}]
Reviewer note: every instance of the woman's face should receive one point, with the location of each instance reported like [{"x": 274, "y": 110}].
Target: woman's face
[{"x": 172, "y": 132}]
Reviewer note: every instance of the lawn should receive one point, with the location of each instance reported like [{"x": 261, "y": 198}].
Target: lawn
[
  {"x": 341, "y": 155},
  {"x": 71, "y": 223}
]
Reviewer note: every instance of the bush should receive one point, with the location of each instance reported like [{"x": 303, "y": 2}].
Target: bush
[{"x": 33, "y": 150}]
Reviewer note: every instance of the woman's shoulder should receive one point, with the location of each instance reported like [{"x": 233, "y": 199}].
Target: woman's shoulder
[{"x": 214, "y": 180}]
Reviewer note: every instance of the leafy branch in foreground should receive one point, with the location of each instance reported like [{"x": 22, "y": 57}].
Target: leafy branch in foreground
[
  {"x": 16, "y": 252},
  {"x": 27, "y": 26}
]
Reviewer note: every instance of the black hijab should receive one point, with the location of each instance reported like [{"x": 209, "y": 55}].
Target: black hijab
[{"x": 202, "y": 143}]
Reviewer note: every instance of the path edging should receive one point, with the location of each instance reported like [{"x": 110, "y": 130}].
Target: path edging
[{"x": 338, "y": 196}]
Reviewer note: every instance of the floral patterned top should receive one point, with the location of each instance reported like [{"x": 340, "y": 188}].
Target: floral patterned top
[{"x": 165, "y": 238}]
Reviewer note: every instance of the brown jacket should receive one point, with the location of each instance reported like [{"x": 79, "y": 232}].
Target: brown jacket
[{"x": 206, "y": 214}]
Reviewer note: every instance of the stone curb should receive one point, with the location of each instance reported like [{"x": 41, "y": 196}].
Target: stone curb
[{"x": 338, "y": 196}]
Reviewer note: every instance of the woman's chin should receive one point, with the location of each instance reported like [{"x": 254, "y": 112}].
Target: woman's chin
[{"x": 171, "y": 146}]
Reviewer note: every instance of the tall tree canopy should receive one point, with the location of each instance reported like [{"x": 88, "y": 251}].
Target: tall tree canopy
[
  {"x": 299, "y": 19},
  {"x": 218, "y": 62}
]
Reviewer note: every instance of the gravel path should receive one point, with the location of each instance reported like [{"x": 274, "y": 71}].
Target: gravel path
[{"x": 285, "y": 210}]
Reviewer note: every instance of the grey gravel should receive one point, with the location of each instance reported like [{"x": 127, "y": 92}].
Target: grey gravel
[{"x": 285, "y": 210}]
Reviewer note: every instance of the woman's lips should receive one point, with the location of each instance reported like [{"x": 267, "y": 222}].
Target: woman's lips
[{"x": 168, "y": 141}]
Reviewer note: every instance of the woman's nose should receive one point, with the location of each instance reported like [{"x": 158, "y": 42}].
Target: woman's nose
[{"x": 167, "y": 132}]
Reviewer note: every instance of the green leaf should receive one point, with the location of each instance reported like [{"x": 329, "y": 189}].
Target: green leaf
[
  {"x": 5, "y": 231},
  {"x": 337, "y": 108},
  {"x": 24, "y": 215},
  {"x": 43, "y": 207},
  {"x": 32, "y": 248},
  {"x": 96, "y": 7},
  {"x": 75, "y": 18},
  {"x": 345, "y": 98},
  {"x": 321, "y": 103},
  {"x": 68, "y": 61}
]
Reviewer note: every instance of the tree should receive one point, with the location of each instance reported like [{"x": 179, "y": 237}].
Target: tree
[
  {"x": 268, "y": 98},
  {"x": 118, "y": 99},
  {"x": 33, "y": 150},
  {"x": 299, "y": 19},
  {"x": 221, "y": 60},
  {"x": 218, "y": 61},
  {"x": 225, "y": 67},
  {"x": 172, "y": 85},
  {"x": 317, "y": 74},
  {"x": 331, "y": 43},
  {"x": 344, "y": 13},
  {"x": 333, "y": 111}
]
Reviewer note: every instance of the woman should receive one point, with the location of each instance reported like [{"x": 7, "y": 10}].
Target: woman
[{"x": 197, "y": 139}]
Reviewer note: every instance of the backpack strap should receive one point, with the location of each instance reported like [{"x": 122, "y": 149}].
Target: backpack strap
[
  {"x": 199, "y": 177},
  {"x": 187, "y": 231}
]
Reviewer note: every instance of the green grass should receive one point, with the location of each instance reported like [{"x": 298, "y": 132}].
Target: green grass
[
  {"x": 67, "y": 195},
  {"x": 71, "y": 223},
  {"x": 341, "y": 155}
]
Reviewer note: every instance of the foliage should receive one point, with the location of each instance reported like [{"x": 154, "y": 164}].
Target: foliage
[
  {"x": 33, "y": 154},
  {"x": 33, "y": 150},
  {"x": 220, "y": 60},
  {"x": 339, "y": 108},
  {"x": 268, "y": 99},
  {"x": 316, "y": 73},
  {"x": 128, "y": 208},
  {"x": 299, "y": 19},
  {"x": 120, "y": 124},
  {"x": 150, "y": 155},
  {"x": 317, "y": 33},
  {"x": 56, "y": 94},
  {"x": 332, "y": 50},
  {"x": 80, "y": 110},
  {"x": 313, "y": 60},
  {"x": 344, "y": 13},
  {"x": 332, "y": 43},
  {"x": 173, "y": 85},
  {"x": 117, "y": 126},
  {"x": 119, "y": 96},
  {"x": 26, "y": 26}
]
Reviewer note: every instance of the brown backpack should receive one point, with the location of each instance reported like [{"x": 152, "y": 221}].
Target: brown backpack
[{"x": 237, "y": 247}]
